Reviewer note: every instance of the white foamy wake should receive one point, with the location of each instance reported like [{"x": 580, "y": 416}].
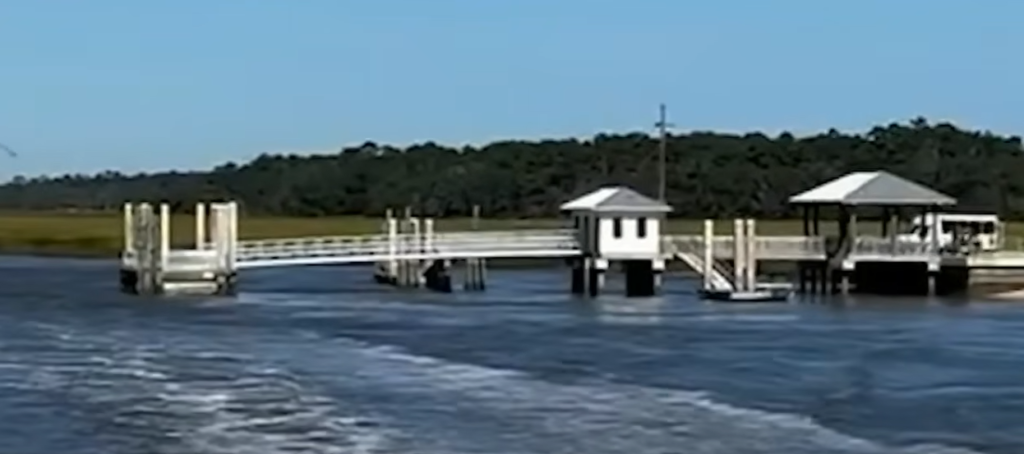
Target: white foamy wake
[
  {"x": 181, "y": 396},
  {"x": 601, "y": 417},
  {"x": 184, "y": 399}
]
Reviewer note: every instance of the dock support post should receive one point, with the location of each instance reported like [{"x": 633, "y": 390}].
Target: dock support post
[
  {"x": 436, "y": 277},
  {"x": 201, "y": 226},
  {"x": 415, "y": 266},
  {"x": 143, "y": 215},
  {"x": 165, "y": 243},
  {"x": 709, "y": 252},
  {"x": 738, "y": 253},
  {"x": 579, "y": 276},
  {"x": 642, "y": 277},
  {"x": 146, "y": 236},
  {"x": 404, "y": 248},
  {"x": 435, "y": 273},
  {"x": 386, "y": 271},
  {"x": 475, "y": 276},
  {"x": 428, "y": 236},
  {"x": 231, "y": 273},
  {"x": 221, "y": 236},
  {"x": 475, "y": 279},
  {"x": 587, "y": 276},
  {"x": 391, "y": 268},
  {"x": 659, "y": 275},
  {"x": 223, "y": 229},
  {"x": 129, "y": 228},
  {"x": 750, "y": 254},
  {"x": 598, "y": 267},
  {"x": 934, "y": 269},
  {"x": 411, "y": 243},
  {"x": 129, "y": 272}
]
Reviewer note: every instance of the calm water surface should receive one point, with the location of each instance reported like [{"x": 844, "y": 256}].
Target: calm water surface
[{"x": 319, "y": 360}]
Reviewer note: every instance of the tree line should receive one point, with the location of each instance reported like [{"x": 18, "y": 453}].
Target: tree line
[{"x": 708, "y": 174}]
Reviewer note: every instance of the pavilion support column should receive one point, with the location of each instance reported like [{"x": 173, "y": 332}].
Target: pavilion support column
[
  {"x": 806, "y": 220},
  {"x": 802, "y": 266},
  {"x": 820, "y": 271},
  {"x": 844, "y": 285},
  {"x": 893, "y": 221},
  {"x": 838, "y": 256},
  {"x": 886, "y": 218},
  {"x": 852, "y": 219},
  {"x": 816, "y": 226},
  {"x": 933, "y": 232}
]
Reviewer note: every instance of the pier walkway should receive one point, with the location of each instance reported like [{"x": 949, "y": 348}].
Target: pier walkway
[{"x": 509, "y": 244}]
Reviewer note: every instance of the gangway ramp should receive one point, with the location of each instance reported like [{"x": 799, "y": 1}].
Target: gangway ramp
[{"x": 717, "y": 280}]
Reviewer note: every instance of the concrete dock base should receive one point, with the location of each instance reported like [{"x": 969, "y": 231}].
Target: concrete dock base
[
  {"x": 209, "y": 284},
  {"x": 642, "y": 278}
]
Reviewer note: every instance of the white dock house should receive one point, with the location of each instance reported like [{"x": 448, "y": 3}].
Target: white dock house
[{"x": 618, "y": 224}]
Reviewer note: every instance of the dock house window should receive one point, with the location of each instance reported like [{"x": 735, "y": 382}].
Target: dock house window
[
  {"x": 641, "y": 228},
  {"x": 617, "y": 227}
]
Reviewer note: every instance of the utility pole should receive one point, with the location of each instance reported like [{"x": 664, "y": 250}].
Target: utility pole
[{"x": 662, "y": 126}]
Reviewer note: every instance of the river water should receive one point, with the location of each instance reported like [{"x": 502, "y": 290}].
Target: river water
[{"x": 320, "y": 360}]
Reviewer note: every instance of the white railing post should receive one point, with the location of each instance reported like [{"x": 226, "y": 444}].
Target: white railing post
[
  {"x": 417, "y": 241},
  {"x": 739, "y": 261},
  {"x": 217, "y": 232},
  {"x": 709, "y": 254},
  {"x": 428, "y": 235},
  {"x": 200, "y": 226},
  {"x": 165, "y": 235},
  {"x": 232, "y": 234},
  {"x": 129, "y": 227},
  {"x": 933, "y": 242},
  {"x": 392, "y": 226},
  {"x": 750, "y": 255}
]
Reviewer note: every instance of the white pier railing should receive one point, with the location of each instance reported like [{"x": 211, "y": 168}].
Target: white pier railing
[
  {"x": 765, "y": 247},
  {"x": 372, "y": 248},
  {"x": 503, "y": 244},
  {"x": 887, "y": 249}
]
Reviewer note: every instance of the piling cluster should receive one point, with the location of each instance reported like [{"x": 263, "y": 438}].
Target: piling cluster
[
  {"x": 150, "y": 267},
  {"x": 413, "y": 260}
]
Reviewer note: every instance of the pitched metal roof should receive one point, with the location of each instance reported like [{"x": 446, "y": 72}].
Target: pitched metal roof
[
  {"x": 615, "y": 198},
  {"x": 873, "y": 189}
]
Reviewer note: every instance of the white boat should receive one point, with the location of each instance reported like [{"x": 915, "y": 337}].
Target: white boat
[{"x": 764, "y": 293}]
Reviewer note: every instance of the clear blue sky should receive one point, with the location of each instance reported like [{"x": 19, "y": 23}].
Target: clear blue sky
[{"x": 158, "y": 84}]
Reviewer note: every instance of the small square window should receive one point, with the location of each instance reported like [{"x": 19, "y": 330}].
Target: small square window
[
  {"x": 641, "y": 228},
  {"x": 617, "y": 227}
]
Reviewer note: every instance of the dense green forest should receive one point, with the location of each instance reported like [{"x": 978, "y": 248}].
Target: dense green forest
[{"x": 708, "y": 174}]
